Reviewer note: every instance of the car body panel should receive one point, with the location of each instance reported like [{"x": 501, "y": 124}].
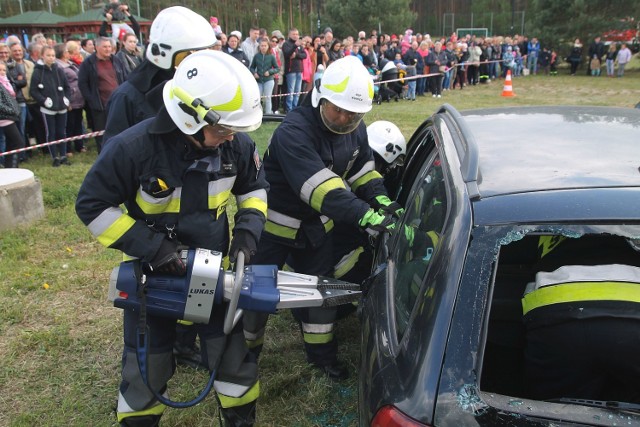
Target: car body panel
[
  {"x": 517, "y": 156},
  {"x": 431, "y": 373}
]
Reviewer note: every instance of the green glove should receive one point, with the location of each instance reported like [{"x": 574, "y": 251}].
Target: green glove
[
  {"x": 375, "y": 223},
  {"x": 388, "y": 206}
]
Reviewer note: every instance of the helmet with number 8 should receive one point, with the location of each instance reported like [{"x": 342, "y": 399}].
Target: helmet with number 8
[
  {"x": 175, "y": 33},
  {"x": 211, "y": 87}
]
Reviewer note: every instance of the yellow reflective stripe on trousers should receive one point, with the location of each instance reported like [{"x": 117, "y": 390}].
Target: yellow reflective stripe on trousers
[
  {"x": 347, "y": 262},
  {"x": 317, "y": 338},
  {"x": 110, "y": 225},
  {"x": 254, "y": 343},
  {"x": 157, "y": 409},
  {"x": 364, "y": 179},
  {"x": 250, "y": 396},
  {"x": 581, "y": 291}
]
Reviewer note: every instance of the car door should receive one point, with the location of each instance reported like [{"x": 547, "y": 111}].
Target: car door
[{"x": 408, "y": 307}]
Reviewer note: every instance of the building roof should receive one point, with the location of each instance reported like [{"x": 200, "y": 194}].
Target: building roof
[{"x": 35, "y": 18}]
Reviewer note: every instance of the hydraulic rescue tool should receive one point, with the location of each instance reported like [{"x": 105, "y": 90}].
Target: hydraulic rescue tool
[{"x": 194, "y": 296}]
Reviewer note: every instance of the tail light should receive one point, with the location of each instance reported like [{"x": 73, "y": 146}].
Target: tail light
[{"x": 390, "y": 416}]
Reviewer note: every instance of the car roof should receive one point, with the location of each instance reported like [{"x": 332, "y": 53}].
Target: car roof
[{"x": 531, "y": 149}]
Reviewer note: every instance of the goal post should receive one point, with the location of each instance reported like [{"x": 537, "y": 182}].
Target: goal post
[{"x": 478, "y": 32}]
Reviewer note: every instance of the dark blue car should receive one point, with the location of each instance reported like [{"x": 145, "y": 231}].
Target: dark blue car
[{"x": 489, "y": 197}]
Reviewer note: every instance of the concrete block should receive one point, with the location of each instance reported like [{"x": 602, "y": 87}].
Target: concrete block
[{"x": 20, "y": 198}]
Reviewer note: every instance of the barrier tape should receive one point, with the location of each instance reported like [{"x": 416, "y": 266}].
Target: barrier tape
[
  {"x": 394, "y": 80},
  {"x": 60, "y": 141},
  {"x": 101, "y": 132}
]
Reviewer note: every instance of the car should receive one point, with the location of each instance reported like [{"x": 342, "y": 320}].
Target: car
[{"x": 443, "y": 338}]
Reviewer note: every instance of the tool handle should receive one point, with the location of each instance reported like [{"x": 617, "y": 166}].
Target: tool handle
[{"x": 233, "y": 313}]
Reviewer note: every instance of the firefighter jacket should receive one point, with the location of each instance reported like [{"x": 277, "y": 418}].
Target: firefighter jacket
[
  {"x": 574, "y": 292},
  {"x": 138, "y": 98},
  {"x": 309, "y": 169},
  {"x": 169, "y": 189}
]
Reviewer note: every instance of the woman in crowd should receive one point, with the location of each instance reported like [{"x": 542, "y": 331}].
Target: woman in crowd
[
  {"x": 76, "y": 101},
  {"x": 264, "y": 66},
  {"x": 309, "y": 64},
  {"x": 50, "y": 89},
  {"x": 9, "y": 115},
  {"x": 611, "y": 60},
  {"x": 18, "y": 72},
  {"x": 74, "y": 52},
  {"x": 575, "y": 57},
  {"x": 321, "y": 52},
  {"x": 335, "y": 51},
  {"x": 130, "y": 54}
]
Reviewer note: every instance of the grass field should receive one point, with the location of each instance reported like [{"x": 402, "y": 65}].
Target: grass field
[{"x": 60, "y": 347}]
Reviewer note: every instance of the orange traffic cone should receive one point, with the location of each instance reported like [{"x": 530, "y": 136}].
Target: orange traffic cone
[{"x": 507, "y": 90}]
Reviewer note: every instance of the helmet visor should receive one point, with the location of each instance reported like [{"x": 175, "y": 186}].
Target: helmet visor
[{"x": 339, "y": 120}]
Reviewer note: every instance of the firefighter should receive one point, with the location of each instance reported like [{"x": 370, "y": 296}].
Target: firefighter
[
  {"x": 353, "y": 253},
  {"x": 174, "y": 174},
  {"x": 582, "y": 320},
  {"x": 140, "y": 97},
  {"x": 319, "y": 149}
]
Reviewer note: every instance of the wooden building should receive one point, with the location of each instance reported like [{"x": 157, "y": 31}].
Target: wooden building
[{"x": 59, "y": 28}]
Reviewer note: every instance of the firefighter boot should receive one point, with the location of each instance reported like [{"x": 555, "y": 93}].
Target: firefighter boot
[
  {"x": 143, "y": 421},
  {"x": 240, "y": 416}
]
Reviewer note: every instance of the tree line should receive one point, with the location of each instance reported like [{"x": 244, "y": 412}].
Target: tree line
[{"x": 554, "y": 22}]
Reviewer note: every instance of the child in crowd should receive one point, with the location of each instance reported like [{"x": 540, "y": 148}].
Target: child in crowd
[
  {"x": 50, "y": 88},
  {"x": 411, "y": 80},
  {"x": 553, "y": 65},
  {"x": 595, "y": 65}
]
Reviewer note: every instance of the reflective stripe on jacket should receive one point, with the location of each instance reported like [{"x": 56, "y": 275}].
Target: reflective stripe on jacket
[
  {"x": 584, "y": 291},
  {"x": 309, "y": 168},
  {"x": 144, "y": 171}
]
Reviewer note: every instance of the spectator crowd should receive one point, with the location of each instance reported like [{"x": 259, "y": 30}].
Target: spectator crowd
[{"x": 52, "y": 90}]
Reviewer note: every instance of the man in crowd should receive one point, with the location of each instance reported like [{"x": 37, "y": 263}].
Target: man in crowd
[
  {"x": 174, "y": 174},
  {"x": 293, "y": 52},
  {"x": 87, "y": 48},
  {"x": 250, "y": 44},
  {"x": 99, "y": 75},
  {"x": 597, "y": 50}
]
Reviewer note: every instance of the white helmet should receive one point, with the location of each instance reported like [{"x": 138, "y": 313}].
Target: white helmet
[
  {"x": 386, "y": 139},
  {"x": 211, "y": 87},
  {"x": 177, "y": 30},
  {"x": 347, "y": 84}
]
